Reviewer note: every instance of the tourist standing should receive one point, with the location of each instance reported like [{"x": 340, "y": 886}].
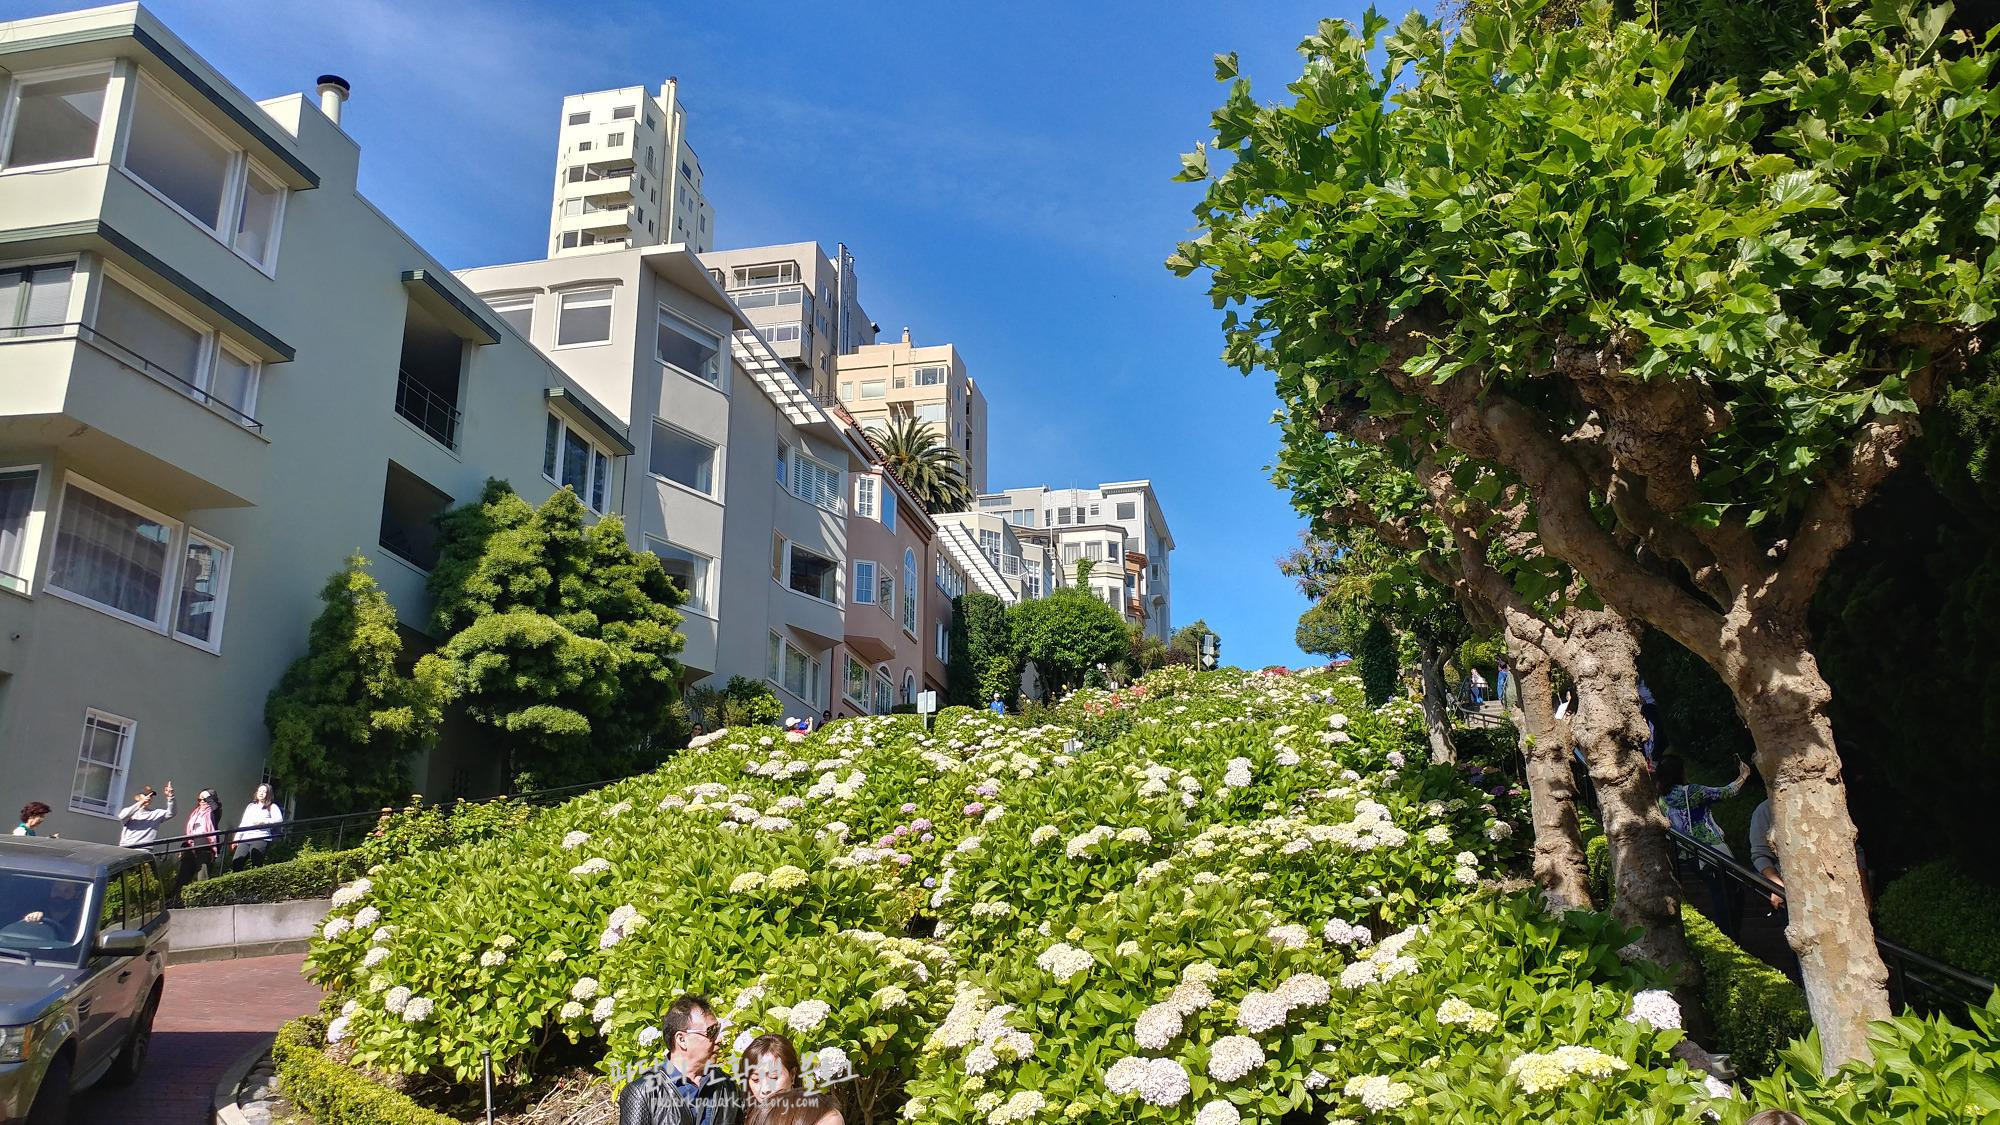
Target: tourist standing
[
  {"x": 253, "y": 831},
  {"x": 1690, "y": 811},
  {"x": 139, "y": 822},
  {"x": 687, "y": 1088},
  {"x": 32, "y": 815},
  {"x": 199, "y": 849},
  {"x": 998, "y": 707}
]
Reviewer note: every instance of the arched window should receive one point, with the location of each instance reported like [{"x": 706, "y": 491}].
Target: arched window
[
  {"x": 909, "y": 593},
  {"x": 909, "y": 686}
]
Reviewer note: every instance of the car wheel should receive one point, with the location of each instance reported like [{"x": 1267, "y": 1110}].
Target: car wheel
[
  {"x": 125, "y": 1069},
  {"x": 52, "y": 1101}
]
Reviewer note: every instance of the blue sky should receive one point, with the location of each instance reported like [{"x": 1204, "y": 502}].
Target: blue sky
[{"x": 1001, "y": 172}]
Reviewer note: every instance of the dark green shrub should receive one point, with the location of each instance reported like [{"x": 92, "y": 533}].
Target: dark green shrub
[
  {"x": 1757, "y": 1010},
  {"x": 1380, "y": 662},
  {"x": 750, "y": 703},
  {"x": 311, "y": 875},
  {"x": 1925, "y": 1069},
  {"x": 417, "y": 827},
  {"x": 1940, "y": 911},
  {"x": 1495, "y": 747},
  {"x": 332, "y": 1094}
]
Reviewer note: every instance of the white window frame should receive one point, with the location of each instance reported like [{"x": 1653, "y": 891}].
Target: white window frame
[
  {"x": 864, "y": 495},
  {"x": 511, "y": 302},
  {"x": 107, "y": 124},
  {"x": 816, "y": 482},
  {"x": 213, "y": 343},
  {"x": 79, "y": 290},
  {"x": 943, "y": 647},
  {"x": 31, "y": 529},
  {"x": 864, "y": 590},
  {"x": 846, "y": 679},
  {"x": 235, "y": 184},
  {"x": 784, "y": 578},
  {"x": 119, "y": 775},
  {"x": 706, "y": 593},
  {"x": 227, "y": 563},
  {"x": 167, "y": 606},
  {"x": 610, "y": 303},
  {"x": 714, "y": 464},
  {"x": 553, "y": 473},
  {"x": 694, "y": 331},
  {"x": 910, "y": 616},
  {"x": 814, "y": 673}
]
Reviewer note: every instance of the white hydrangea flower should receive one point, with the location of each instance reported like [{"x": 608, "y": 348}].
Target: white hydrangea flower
[
  {"x": 337, "y": 1029},
  {"x": 375, "y": 956},
  {"x": 807, "y": 1015},
  {"x": 1158, "y": 1026},
  {"x": 1261, "y": 1011},
  {"x": 603, "y": 1009},
  {"x": 981, "y": 1059},
  {"x": 1233, "y": 1056},
  {"x": 574, "y": 840},
  {"x": 1134, "y": 835},
  {"x": 1063, "y": 960},
  {"x": 570, "y": 1011},
  {"x": 1218, "y": 1112},
  {"x": 1164, "y": 1083},
  {"x": 1437, "y": 835},
  {"x": 1656, "y": 1008},
  {"x": 382, "y": 934},
  {"x": 1499, "y": 830},
  {"x": 396, "y": 999},
  {"x": 584, "y": 989},
  {"x": 1022, "y": 1106},
  {"x": 366, "y": 917},
  {"x": 649, "y": 1036},
  {"x": 891, "y": 998},
  {"x": 1042, "y": 835},
  {"x": 1201, "y": 972},
  {"x": 335, "y": 927},
  {"x": 830, "y": 1065},
  {"x": 1377, "y": 1092},
  {"x": 1289, "y": 937},
  {"x": 1456, "y": 1011},
  {"x": 351, "y": 893},
  {"x": 1305, "y": 990},
  {"x": 596, "y": 865}
]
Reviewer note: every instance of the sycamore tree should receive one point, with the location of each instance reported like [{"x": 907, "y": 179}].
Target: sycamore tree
[
  {"x": 560, "y": 638},
  {"x": 1694, "y": 328},
  {"x": 347, "y": 717}
]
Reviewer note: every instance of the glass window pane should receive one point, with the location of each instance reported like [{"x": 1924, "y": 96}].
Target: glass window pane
[
  {"x": 257, "y": 226},
  {"x": 98, "y": 765},
  {"x": 551, "y": 443},
  {"x": 683, "y": 458},
  {"x": 57, "y": 120},
  {"x": 234, "y": 384},
  {"x": 177, "y": 157},
  {"x": 35, "y": 299},
  {"x": 575, "y": 464},
  {"x": 688, "y": 349},
  {"x": 109, "y": 555},
  {"x": 864, "y": 582},
  {"x": 874, "y": 388},
  {"x": 812, "y": 574},
  {"x": 135, "y": 325},
  {"x": 204, "y": 570},
  {"x": 600, "y": 479},
  {"x": 688, "y": 570},
  {"x": 519, "y": 313},
  {"x": 17, "y": 500},
  {"x": 585, "y": 317}
]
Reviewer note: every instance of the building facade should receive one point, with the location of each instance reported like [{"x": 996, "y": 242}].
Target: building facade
[
  {"x": 879, "y": 382},
  {"x": 224, "y": 373},
  {"x": 1118, "y": 527},
  {"x": 882, "y": 662},
  {"x": 805, "y": 303},
  {"x": 626, "y": 175}
]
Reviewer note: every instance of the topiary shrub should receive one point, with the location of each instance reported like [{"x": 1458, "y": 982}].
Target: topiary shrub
[
  {"x": 311, "y": 875},
  {"x": 1757, "y": 1009},
  {"x": 1941, "y": 911},
  {"x": 332, "y": 1094}
]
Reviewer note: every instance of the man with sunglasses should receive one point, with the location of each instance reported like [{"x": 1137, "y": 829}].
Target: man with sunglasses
[{"x": 687, "y": 1088}]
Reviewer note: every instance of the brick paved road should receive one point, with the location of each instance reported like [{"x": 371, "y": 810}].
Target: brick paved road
[{"x": 210, "y": 1015}]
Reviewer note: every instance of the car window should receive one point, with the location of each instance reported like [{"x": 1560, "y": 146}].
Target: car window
[
  {"x": 145, "y": 905},
  {"x": 111, "y": 916},
  {"x": 43, "y": 915}
]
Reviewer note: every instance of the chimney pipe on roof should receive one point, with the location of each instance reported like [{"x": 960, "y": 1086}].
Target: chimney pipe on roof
[
  {"x": 906, "y": 333},
  {"x": 333, "y": 91}
]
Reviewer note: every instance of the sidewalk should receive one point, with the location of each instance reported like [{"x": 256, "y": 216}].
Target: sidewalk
[{"x": 210, "y": 1016}]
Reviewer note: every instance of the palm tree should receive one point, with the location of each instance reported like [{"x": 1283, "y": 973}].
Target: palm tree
[{"x": 927, "y": 467}]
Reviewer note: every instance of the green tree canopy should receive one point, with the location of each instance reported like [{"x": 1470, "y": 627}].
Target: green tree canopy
[
  {"x": 346, "y": 718},
  {"x": 1186, "y": 641},
  {"x": 984, "y": 659},
  {"x": 1322, "y": 630},
  {"x": 933, "y": 470},
  {"x": 1067, "y": 635},
  {"x": 561, "y": 637}
]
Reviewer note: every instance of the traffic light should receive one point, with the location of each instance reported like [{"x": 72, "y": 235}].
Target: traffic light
[{"x": 1211, "y": 652}]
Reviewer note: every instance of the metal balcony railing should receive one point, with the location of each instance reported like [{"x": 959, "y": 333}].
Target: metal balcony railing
[
  {"x": 132, "y": 359},
  {"x": 427, "y": 410}
]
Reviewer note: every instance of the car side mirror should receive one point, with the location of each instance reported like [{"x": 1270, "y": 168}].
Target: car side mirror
[{"x": 121, "y": 943}]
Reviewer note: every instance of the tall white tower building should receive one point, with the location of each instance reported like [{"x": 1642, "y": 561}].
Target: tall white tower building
[{"x": 626, "y": 174}]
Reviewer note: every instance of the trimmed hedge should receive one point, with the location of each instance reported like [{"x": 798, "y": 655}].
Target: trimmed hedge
[
  {"x": 311, "y": 875},
  {"x": 333, "y": 1094},
  {"x": 1941, "y": 911},
  {"x": 1757, "y": 1010}
]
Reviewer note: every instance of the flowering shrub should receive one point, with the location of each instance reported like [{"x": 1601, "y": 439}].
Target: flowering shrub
[{"x": 1258, "y": 899}]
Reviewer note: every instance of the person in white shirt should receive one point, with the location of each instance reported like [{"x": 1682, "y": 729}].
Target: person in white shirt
[
  {"x": 139, "y": 822},
  {"x": 253, "y": 832}
]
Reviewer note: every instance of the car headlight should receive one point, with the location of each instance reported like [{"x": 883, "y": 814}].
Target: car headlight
[{"x": 14, "y": 1042}]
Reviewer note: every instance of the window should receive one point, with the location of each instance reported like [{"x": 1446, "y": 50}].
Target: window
[
  {"x": 768, "y": 273},
  {"x": 683, "y": 458},
  {"x": 989, "y": 542},
  {"x": 816, "y": 483},
  {"x": 572, "y": 460},
  {"x": 864, "y": 496},
  {"x": 885, "y": 694},
  {"x": 811, "y": 574},
  {"x": 784, "y": 463},
  {"x": 769, "y": 298},
  {"x": 212, "y": 181},
  {"x": 794, "y": 670},
  {"x": 111, "y": 556},
  {"x": 929, "y": 376},
  {"x": 1033, "y": 585},
  {"x": 34, "y": 300},
  {"x": 204, "y": 578},
  {"x": 582, "y": 118},
  {"x": 780, "y": 333},
  {"x": 163, "y": 342},
  {"x": 101, "y": 763},
  {"x": 874, "y": 388},
  {"x": 889, "y": 509},
  {"x": 1062, "y": 516},
  {"x": 943, "y": 641},
  {"x": 410, "y": 508},
  {"x": 855, "y": 683},
  {"x": 54, "y": 120},
  {"x": 1111, "y": 550},
  {"x": 885, "y": 593},
  {"x": 864, "y": 581},
  {"x": 688, "y": 349},
  {"x": 999, "y": 501},
  {"x": 585, "y": 146},
  {"x": 518, "y": 312},
  {"x": 847, "y": 390},
  {"x": 624, "y": 112},
  {"x": 688, "y": 570},
  {"x": 17, "y": 506},
  {"x": 931, "y": 412},
  {"x": 614, "y": 140},
  {"x": 584, "y": 318},
  {"x": 1128, "y": 510},
  {"x": 910, "y": 591}
]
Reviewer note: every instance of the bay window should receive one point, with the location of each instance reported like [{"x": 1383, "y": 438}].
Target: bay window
[
  {"x": 17, "y": 507},
  {"x": 136, "y": 564},
  {"x": 204, "y": 576},
  {"x": 810, "y": 573},
  {"x": 795, "y": 670},
  {"x": 54, "y": 118},
  {"x": 688, "y": 349},
  {"x": 160, "y": 340},
  {"x": 209, "y": 179},
  {"x": 815, "y": 482},
  {"x": 688, "y": 570},
  {"x": 683, "y": 458},
  {"x": 572, "y": 460}
]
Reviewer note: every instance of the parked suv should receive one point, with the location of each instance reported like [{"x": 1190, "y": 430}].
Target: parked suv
[{"x": 83, "y": 953}]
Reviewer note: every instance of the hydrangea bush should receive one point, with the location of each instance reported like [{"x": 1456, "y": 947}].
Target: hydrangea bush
[{"x": 1253, "y": 898}]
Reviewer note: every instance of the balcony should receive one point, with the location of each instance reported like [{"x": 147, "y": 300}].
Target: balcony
[
  {"x": 426, "y": 409},
  {"x": 127, "y": 420},
  {"x": 1133, "y": 608},
  {"x": 592, "y": 182}
]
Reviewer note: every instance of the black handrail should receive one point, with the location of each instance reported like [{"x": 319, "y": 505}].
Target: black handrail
[
  {"x": 428, "y": 410},
  {"x": 133, "y": 359}
]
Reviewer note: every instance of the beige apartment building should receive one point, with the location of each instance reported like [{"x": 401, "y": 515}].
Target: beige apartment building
[
  {"x": 883, "y": 381},
  {"x": 804, "y": 303},
  {"x": 222, "y": 371},
  {"x": 1118, "y": 527},
  {"x": 626, "y": 175}
]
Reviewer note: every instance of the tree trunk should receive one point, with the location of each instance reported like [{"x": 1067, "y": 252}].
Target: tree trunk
[
  {"x": 1437, "y": 708},
  {"x": 1605, "y": 665},
  {"x": 1560, "y": 869},
  {"x": 1782, "y": 698}
]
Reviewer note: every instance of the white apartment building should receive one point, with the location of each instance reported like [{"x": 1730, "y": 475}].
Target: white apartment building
[
  {"x": 741, "y": 477},
  {"x": 806, "y": 304},
  {"x": 626, "y": 175},
  {"x": 1118, "y": 526},
  {"x": 883, "y": 381},
  {"x": 994, "y": 556},
  {"x": 222, "y": 371}
]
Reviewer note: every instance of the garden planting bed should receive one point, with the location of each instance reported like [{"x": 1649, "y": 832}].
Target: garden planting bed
[{"x": 1251, "y": 901}]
